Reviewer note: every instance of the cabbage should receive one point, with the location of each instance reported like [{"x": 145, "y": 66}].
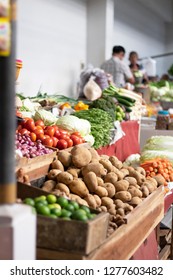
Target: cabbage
[
  {"x": 133, "y": 160},
  {"x": 158, "y": 146},
  {"x": 47, "y": 117},
  {"x": 72, "y": 124},
  {"x": 150, "y": 154},
  {"x": 89, "y": 139}
]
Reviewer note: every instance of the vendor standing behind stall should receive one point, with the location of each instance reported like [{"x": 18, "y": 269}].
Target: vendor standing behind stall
[{"x": 117, "y": 68}]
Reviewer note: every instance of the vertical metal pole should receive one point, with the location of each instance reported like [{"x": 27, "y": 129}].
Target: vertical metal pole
[{"x": 8, "y": 119}]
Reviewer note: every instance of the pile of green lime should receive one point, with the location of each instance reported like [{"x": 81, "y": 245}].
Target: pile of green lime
[{"x": 59, "y": 207}]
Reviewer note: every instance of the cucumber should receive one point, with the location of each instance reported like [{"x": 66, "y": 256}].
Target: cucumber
[
  {"x": 124, "y": 102},
  {"x": 129, "y": 99}
]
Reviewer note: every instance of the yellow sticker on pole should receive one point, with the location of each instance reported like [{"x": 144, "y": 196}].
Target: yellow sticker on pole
[{"x": 5, "y": 28}]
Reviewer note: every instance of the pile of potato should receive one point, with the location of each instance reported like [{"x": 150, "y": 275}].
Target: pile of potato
[{"x": 100, "y": 182}]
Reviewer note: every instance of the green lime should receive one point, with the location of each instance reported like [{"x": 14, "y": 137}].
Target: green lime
[
  {"x": 62, "y": 201},
  {"x": 86, "y": 209},
  {"x": 65, "y": 213},
  {"x": 52, "y": 216},
  {"x": 80, "y": 215},
  {"x": 40, "y": 198},
  {"x": 75, "y": 204},
  {"x": 44, "y": 210},
  {"x": 51, "y": 198},
  {"x": 29, "y": 201},
  {"x": 41, "y": 202},
  {"x": 91, "y": 216},
  {"x": 56, "y": 212},
  {"x": 70, "y": 207},
  {"x": 51, "y": 206},
  {"x": 55, "y": 205}
]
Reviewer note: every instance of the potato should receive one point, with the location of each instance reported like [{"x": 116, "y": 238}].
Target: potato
[
  {"x": 77, "y": 186},
  {"x": 111, "y": 178},
  {"x": 100, "y": 181},
  {"x": 101, "y": 192},
  {"x": 123, "y": 195},
  {"x": 90, "y": 180},
  {"x": 98, "y": 200},
  {"x": 121, "y": 185},
  {"x": 62, "y": 187},
  {"x": 106, "y": 163},
  {"x": 154, "y": 182},
  {"x": 95, "y": 167},
  {"x": 53, "y": 173},
  {"x": 135, "y": 201},
  {"x": 119, "y": 174},
  {"x": 139, "y": 177},
  {"x": 119, "y": 203},
  {"x": 91, "y": 201},
  {"x": 81, "y": 156},
  {"x": 59, "y": 193},
  {"x": 65, "y": 158},
  {"x": 78, "y": 199},
  {"x": 145, "y": 191},
  {"x": 56, "y": 164},
  {"x": 104, "y": 157},
  {"x": 107, "y": 201},
  {"x": 49, "y": 185},
  {"x": 65, "y": 178},
  {"x": 141, "y": 170},
  {"x": 116, "y": 162},
  {"x": 160, "y": 179},
  {"x": 112, "y": 209},
  {"x": 103, "y": 209},
  {"x": 110, "y": 188},
  {"x": 127, "y": 207},
  {"x": 125, "y": 172},
  {"x": 149, "y": 186},
  {"x": 134, "y": 191},
  {"x": 73, "y": 171},
  {"x": 121, "y": 212},
  {"x": 94, "y": 155},
  {"x": 131, "y": 180}
]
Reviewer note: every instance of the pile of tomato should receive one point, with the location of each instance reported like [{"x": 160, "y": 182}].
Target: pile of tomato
[{"x": 51, "y": 136}]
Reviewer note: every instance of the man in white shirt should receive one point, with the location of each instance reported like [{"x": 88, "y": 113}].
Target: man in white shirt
[{"x": 115, "y": 66}]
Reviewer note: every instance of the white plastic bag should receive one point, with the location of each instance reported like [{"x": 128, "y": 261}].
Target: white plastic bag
[{"x": 91, "y": 90}]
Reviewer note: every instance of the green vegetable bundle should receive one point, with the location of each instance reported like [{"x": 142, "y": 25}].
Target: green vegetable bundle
[{"x": 101, "y": 125}]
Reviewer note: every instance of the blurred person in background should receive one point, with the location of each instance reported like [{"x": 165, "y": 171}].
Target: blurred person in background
[
  {"x": 137, "y": 69},
  {"x": 116, "y": 67}
]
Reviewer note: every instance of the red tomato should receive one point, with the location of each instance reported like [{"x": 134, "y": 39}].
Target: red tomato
[
  {"x": 55, "y": 126},
  {"x": 40, "y": 123},
  {"x": 33, "y": 136},
  {"x": 62, "y": 144},
  {"x": 70, "y": 143},
  {"x": 77, "y": 133},
  {"x": 64, "y": 131},
  {"x": 24, "y": 131},
  {"x": 49, "y": 130},
  {"x": 41, "y": 136},
  {"x": 48, "y": 142},
  {"x": 55, "y": 141},
  {"x": 64, "y": 136},
  {"x": 57, "y": 133},
  {"x": 76, "y": 140},
  {"x": 38, "y": 130},
  {"x": 29, "y": 124}
]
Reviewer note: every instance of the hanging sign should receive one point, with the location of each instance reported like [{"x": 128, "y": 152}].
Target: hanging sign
[{"x": 5, "y": 28}]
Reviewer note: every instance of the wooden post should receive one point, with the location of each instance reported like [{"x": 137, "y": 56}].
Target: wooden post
[{"x": 7, "y": 112}]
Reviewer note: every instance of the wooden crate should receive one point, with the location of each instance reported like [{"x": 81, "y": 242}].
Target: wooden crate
[
  {"x": 72, "y": 236},
  {"x": 36, "y": 167},
  {"x": 123, "y": 243}
]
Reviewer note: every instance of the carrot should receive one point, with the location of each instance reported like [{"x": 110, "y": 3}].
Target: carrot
[
  {"x": 151, "y": 168},
  {"x": 153, "y": 174}
]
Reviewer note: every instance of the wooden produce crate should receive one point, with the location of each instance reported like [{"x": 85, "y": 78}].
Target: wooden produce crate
[
  {"x": 62, "y": 235},
  {"x": 36, "y": 167},
  {"x": 123, "y": 243}
]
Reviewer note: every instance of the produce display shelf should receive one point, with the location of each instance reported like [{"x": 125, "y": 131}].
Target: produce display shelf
[{"x": 123, "y": 243}]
